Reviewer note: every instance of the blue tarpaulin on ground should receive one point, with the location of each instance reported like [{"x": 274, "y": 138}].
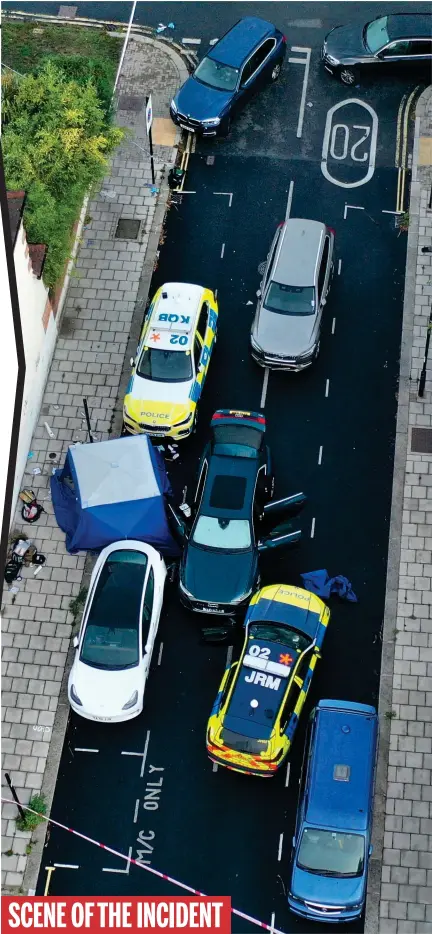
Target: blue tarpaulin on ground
[
  {"x": 110, "y": 491},
  {"x": 322, "y": 585}
]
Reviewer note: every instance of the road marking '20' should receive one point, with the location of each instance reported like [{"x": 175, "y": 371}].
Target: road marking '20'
[{"x": 350, "y": 144}]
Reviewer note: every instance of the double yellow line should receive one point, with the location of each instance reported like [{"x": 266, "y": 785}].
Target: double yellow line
[
  {"x": 401, "y": 152},
  {"x": 185, "y": 159}
]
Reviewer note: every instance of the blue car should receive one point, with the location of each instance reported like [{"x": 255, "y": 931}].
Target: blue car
[
  {"x": 332, "y": 843},
  {"x": 248, "y": 56}
]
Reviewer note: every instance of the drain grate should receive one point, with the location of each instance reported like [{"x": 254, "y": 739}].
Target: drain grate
[
  {"x": 127, "y": 229},
  {"x": 421, "y": 441},
  {"x": 210, "y": 160},
  {"x": 67, "y": 12},
  {"x": 131, "y": 102}
]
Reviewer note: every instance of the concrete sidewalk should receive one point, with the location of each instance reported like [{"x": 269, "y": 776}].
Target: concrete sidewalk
[
  {"x": 400, "y": 885},
  {"x": 106, "y": 298}
]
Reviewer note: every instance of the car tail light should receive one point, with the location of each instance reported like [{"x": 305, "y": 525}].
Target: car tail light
[
  {"x": 284, "y": 39},
  {"x": 281, "y": 224},
  {"x": 332, "y": 230}
]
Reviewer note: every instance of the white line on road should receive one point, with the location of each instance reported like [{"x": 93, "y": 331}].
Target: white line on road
[
  {"x": 287, "y": 777},
  {"x": 312, "y": 534},
  {"x": 160, "y": 653},
  {"x": 280, "y": 847},
  {"x": 144, "y": 755},
  {"x": 339, "y": 267},
  {"x": 65, "y": 866},
  {"x": 213, "y": 41},
  {"x": 222, "y": 251},
  {"x": 296, "y": 61},
  {"x": 136, "y": 811},
  {"x": 124, "y": 872},
  {"x": 229, "y": 195},
  {"x": 306, "y": 23},
  {"x": 320, "y": 455},
  {"x": 265, "y": 386},
  {"x": 82, "y": 749},
  {"x": 333, "y": 325},
  {"x": 131, "y": 753},
  {"x": 192, "y": 41},
  {"x": 327, "y": 388},
  {"x": 304, "y": 89},
  {"x": 272, "y": 922},
  {"x": 289, "y": 202},
  {"x": 391, "y": 212},
  {"x": 354, "y": 207},
  {"x": 182, "y": 192}
]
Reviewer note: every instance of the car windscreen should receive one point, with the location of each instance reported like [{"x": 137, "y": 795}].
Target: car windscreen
[
  {"x": 217, "y": 75},
  {"x": 282, "y": 635},
  {"x": 331, "y": 853},
  {"x": 111, "y": 634},
  {"x": 165, "y": 366},
  {"x": 244, "y": 743},
  {"x": 290, "y": 299},
  {"x": 226, "y": 534},
  {"x": 376, "y": 34}
]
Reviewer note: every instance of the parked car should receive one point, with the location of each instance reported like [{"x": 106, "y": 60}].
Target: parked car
[
  {"x": 117, "y": 634},
  {"x": 261, "y": 697},
  {"x": 332, "y": 843},
  {"x": 219, "y": 570},
  {"x": 297, "y": 277},
  {"x": 248, "y": 56},
  {"x": 171, "y": 362},
  {"x": 401, "y": 42}
]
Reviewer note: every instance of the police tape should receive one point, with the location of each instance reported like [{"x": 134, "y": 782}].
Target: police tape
[{"x": 154, "y": 872}]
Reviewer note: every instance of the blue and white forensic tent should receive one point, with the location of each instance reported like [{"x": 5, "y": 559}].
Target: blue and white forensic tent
[{"x": 113, "y": 490}]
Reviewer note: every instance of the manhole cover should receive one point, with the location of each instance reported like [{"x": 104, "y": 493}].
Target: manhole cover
[
  {"x": 210, "y": 160},
  {"x": 127, "y": 229},
  {"x": 421, "y": 441},
  {"x": 131, "y": 102}
]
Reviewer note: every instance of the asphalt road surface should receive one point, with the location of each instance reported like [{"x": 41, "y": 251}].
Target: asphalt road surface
[{"x": 331, "y": 431}]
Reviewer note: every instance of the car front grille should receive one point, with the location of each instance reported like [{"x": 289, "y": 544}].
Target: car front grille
[
  {"x": 188, "y": 120},
  {"x": 155, "y": 429}
]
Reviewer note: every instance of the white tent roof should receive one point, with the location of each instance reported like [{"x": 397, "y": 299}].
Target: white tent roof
[{"x": 114, "y": 471}]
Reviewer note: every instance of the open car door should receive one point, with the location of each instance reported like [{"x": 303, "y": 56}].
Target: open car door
[{"x": 289, "y": 506}]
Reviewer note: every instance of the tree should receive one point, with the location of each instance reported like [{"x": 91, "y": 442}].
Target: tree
[{"x": 56, "y": 145}]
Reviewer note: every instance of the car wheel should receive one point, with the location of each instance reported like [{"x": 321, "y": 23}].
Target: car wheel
[
  {"x": 226, "y": 130},
  {"x": 348, "y": 76},
  {"x": 276, "y": 71}
]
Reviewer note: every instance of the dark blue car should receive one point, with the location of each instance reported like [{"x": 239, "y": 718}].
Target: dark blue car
[{"x": 246, "y": 58}]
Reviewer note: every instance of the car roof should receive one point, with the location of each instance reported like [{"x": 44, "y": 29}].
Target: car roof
[
  {"x": 343, "y": 737},
  {"x": 258, "y": 721},
  {"x": 409, "y": 26},
  {"x": 174, "y": 310},
  {"x": 235, "y": 46},
  {"x": 290, "y": 606},
  {"x": 298, "y": 251},
  {"x": 119, "y": 589},
  {"x": 229, "y": 487}
]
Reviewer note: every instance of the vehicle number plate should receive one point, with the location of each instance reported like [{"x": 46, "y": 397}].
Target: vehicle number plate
[
  {"x": 103, "y": 719},
  {"x": 188, "y": 128},
  {"x": 209, "y": 609}
]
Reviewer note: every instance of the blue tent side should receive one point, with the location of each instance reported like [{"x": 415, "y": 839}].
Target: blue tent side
[
  {"x": 65, "y": 500},
  {"x": 160, "y": 471},
  {"x": 141, "y": 520}
]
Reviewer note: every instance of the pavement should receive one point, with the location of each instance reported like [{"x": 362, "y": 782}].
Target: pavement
[
  {"x": 322, "y": 430},
  {"x": 106, "y": 298},
  {"x": 401, "y": 872}
]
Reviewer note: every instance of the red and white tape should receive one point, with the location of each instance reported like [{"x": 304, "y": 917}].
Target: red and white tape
[{"x": 154, "y": 872}]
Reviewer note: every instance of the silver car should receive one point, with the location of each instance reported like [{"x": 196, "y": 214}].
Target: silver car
[{"x": 297, "y": 276}]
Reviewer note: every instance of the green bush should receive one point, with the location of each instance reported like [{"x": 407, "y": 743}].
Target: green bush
[
  {"x": 31, "y": 821},
  {"x": 81, "y": 69}
]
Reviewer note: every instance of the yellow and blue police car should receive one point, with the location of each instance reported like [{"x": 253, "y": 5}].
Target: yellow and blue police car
[
  {"x": 171, "y": 361},
  {"x": 260, "y": 699}
]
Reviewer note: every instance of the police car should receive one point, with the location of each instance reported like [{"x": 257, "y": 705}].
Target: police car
[
  {"x": 260, "y": 699},
  {"x": 171, "y": 361}
]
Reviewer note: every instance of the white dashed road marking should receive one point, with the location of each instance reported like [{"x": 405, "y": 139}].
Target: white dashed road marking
[
  {"x": 354, "y": 207},
  {"x": 215, "y": 768},
  {"x": 287, "y": 776},
  {"x": 333, "y": 325},
  {"x": 289, "y": 201},
  {"x": 144, "y": 755},
  {"x": 280, "y": 847},
  {"x": 327, "y": 388},
  {"x": 136, "y": 811},
  {"x": 312, "y": 534},
  {"x": 191, "y": 41},
  {"x": 222, "y": 251},
  {"x": 320, "y": 455},
  {"x": 339, "y": 267},
  {"x": 82, "y": 749},
  {"x": 160, "y": 653},
  {"x": 65, "y": 866},
  {"x": 265, "y": 386}
]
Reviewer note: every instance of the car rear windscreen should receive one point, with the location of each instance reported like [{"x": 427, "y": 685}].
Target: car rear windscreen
[{"x": 237, "y": 434}]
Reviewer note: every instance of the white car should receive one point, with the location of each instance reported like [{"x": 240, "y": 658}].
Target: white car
[{"x": 118, "y": 630}]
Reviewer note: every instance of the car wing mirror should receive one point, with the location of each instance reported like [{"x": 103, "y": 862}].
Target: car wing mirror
[
  {"x": 132, "y": 361},
  {"x": 75, "y": 642},
  {"x": 179, "y": 524},
  {"x": 290, "y": 505},
  {"x": 259, "y": 293},
  {"x": 370, "y": 850}
]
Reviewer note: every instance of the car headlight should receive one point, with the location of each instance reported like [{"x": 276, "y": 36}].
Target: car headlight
[
  {"x": 211, "y": 121},
  {"x": 307, "y": 353},
  {"x": 131, "y": 702},
  {"x": 174, "y": 107},
  {"x": 331, "y": 59},
  {"x": 242, "y": 597},
  {"x": 74, "y": 696},
  {"x": 184, "y": 420},
  {"x": 127, "y": 414},
  {"x": 184, "y": 589}
]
